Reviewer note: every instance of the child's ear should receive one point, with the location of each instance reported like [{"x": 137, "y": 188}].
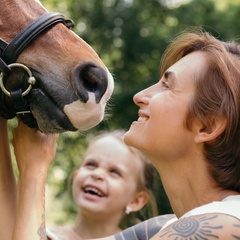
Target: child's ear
[
  {"x": 139, "y": 201},
  {"x": 208, "y": 134}
]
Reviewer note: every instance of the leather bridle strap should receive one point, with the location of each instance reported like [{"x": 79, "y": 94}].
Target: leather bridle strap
[{"x": 11, "y": 51}]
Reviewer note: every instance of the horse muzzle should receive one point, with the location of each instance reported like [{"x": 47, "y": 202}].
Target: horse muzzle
[{"x": 77, "y": 103}]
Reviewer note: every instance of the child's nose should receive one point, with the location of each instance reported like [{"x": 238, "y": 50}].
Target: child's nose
[{"x": 98, "y": 174}]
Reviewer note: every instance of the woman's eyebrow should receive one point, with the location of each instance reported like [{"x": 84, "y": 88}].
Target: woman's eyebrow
[{"x": 170, "y": 76}]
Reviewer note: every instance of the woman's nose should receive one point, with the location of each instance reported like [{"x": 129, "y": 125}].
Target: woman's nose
[{"x": 143, "y": 96}]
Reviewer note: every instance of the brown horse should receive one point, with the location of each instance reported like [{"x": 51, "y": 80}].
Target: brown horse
[{"x": 59, "y": 79}]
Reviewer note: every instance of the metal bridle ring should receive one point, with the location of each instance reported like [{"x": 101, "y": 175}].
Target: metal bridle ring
[{"x": 31, "y": 79}]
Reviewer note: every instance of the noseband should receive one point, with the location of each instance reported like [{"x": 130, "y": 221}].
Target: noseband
[{"x": 8, "y": 56}]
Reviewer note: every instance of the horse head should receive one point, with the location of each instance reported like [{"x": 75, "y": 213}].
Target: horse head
[{"x": 72, "y": 85}]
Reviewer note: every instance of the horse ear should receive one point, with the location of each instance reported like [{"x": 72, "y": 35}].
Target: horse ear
[{"x": 206, "y": 134}]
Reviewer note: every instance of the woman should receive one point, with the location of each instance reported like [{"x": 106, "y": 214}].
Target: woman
[
  {"x": 195, "y": 108},
  {"x": 189, "y": 127}
]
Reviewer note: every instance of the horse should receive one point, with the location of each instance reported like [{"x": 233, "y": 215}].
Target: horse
[{"x": 50, "y": 78}]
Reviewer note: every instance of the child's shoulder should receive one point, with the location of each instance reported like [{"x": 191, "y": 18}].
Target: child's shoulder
[{"x": 62, "y": 233}]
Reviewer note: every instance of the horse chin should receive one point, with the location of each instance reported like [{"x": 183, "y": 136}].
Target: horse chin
[
  {"x": 50, "y": 118},
  {"x": 87, "y": 115}
]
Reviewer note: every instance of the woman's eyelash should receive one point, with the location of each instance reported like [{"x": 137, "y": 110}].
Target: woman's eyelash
[{"x": 165, "y": 84}]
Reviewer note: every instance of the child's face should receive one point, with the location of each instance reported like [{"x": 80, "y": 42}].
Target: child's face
[{"x": 107, "y": 180}]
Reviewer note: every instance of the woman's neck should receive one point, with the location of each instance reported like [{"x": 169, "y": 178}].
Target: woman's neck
[{"x": 188, "y": 184}]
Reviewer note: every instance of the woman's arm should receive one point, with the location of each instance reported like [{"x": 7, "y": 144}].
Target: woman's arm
[
  {"x": 7, "y": 185},
  {"x": 34, "y": 152}
]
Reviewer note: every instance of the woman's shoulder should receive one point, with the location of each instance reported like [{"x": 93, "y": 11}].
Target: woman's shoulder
[
  {"x": 61, "y": 233},
  {"x": 204, "y": 226},
  {"x": 219, "y": 219},
  {"x": 229, "y": 206}
]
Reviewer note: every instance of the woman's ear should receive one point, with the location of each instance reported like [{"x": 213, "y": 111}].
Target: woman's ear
[
  {"x": 139, "y": 201},
  {"x": 207, "y": 134}
]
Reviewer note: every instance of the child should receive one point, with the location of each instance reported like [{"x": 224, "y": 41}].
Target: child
[{"x": 113, "y": 181}]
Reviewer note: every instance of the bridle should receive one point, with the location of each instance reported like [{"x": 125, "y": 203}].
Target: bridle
[{"x": 9, "y": 53}]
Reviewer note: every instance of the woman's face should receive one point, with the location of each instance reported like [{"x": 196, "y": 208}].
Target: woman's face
[
  {"x": 159, "y": 131},
  {"x": 107, "y": 179}
]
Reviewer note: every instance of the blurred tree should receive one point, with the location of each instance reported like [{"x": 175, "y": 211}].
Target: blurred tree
[{"x": 130, "y": 36}]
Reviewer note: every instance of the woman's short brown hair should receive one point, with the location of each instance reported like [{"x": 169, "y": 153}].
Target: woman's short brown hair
[{"x": 217, "y": 95}]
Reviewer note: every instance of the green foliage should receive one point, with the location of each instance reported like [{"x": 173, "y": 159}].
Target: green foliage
[{"x": 130, "y": 37}]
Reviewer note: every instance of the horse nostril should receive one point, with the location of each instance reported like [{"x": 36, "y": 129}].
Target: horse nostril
[{"x": 93, "y": 79}]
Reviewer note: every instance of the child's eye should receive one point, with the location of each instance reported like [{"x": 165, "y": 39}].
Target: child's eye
[
  {"x": 115, "y": 172},
  {"x": 90, "y": 164}
]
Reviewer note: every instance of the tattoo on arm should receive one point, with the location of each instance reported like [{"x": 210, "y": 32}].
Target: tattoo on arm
[
  {"x": 42, "y": 230},
  {"x": 188, "y": 228},
  {"x": 202, "y": 227},
  {"x": 144, "y": 230}
]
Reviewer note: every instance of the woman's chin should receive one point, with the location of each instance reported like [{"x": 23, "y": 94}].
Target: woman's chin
[{"x": 130, "y": 137}]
